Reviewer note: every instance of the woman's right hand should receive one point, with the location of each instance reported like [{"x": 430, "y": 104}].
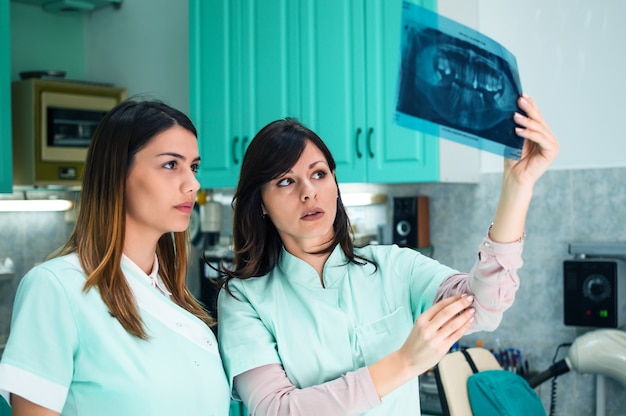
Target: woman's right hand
[{"x": 432, "y": 336}]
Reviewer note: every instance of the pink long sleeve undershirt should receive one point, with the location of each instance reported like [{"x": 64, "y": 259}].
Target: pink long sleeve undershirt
[
  {"x": 267, "y": 391},
  {"x": 493, "y": 281}
]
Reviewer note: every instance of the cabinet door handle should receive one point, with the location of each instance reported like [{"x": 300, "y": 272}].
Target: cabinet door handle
[
  {"x": 370, "y": 132},
  {"x": 234, "y": 150},
  {"x": 358, "y": 151},
  {"x": 244, "y": 143}
]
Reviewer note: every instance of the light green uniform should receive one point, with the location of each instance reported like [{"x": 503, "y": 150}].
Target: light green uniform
[
  {"x": 319, "y": 333},
  {"x": 67, "y": 353}
]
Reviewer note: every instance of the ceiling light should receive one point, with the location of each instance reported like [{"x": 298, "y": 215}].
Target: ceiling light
[{"x": 20, "y": 205}]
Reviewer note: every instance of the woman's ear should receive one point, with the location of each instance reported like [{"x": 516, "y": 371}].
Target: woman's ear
[{"x": 263, "y": 210}]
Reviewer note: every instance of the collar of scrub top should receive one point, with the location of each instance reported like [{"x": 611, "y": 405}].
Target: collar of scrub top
[
  {"x": 300, "y": 271},
  {"x": 153, "y": 278}
]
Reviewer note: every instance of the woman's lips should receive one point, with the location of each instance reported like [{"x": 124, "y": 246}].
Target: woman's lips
[
  {"x": 186, "y": 208},
  {"x": 312, "y": 215}
]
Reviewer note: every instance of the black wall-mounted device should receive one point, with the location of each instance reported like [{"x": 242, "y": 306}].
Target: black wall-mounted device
[{"x": 594, "y": 292}]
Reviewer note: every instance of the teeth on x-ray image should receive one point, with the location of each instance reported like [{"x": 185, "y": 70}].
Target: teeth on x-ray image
[
  {"x": 466, "y": 87},
  {"x": 454, "y": 84}
]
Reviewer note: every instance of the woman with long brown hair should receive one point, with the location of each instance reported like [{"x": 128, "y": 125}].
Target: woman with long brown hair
[
  {"x": 310, "y": 324},
  {"x": 108, "y": 326}
]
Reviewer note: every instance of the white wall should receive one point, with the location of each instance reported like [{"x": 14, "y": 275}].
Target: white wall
[
  {"x": 143, "y": 46},
  {"x": 571, "y": 59}
]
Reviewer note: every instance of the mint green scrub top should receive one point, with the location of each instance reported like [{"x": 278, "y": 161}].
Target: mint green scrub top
[
  {"x": 320, "y": 333},
  {"x": 67, "y": 353}
]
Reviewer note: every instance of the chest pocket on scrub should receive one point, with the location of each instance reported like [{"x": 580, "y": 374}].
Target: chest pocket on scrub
[{"x": 383, "y": 336}]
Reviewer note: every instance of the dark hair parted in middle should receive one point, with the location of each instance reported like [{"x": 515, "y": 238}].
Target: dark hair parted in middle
[{"x": 274, "y": 151}]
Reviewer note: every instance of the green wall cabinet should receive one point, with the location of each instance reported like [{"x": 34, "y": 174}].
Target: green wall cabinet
[
  {"x": 350, "y": 92},
  {"x": 331, "y": 63},
  {"x": 6, "y": 154},
  {"x": 244, "y": 73}
]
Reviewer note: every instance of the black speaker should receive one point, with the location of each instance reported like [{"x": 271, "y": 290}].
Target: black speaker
[{"x": 410, "y": 226}]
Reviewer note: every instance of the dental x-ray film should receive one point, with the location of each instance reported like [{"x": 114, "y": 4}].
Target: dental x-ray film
[{"x": 457, "y": 84}]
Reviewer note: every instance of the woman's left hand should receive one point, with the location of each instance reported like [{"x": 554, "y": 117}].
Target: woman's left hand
[
  {"x": 539, "y": 151},
  {"x": 540, "y": 145}
]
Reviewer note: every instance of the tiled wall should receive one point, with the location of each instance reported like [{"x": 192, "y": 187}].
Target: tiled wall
[{"x": 568, "y": 206}]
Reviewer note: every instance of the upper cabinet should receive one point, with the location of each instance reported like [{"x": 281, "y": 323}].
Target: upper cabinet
[
  {"x": 350, "y": 92},
  {"x": 244, "y": 73},
  {"x": 332, "y": 64},
  {"x": 6, "y": 166}
]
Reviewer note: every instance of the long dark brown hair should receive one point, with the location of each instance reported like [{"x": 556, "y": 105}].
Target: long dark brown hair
[
  {"x": 257, "y": 245},
  {"x": 98, "y": 236}
]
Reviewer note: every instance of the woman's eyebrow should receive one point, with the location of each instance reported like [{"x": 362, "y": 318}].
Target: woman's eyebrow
[
  {"x": 178, "y": 156},
  {"x": 316, "y": 162}
]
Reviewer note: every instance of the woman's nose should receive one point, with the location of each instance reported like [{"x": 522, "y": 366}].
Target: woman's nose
[
  {"x": 308, "y": 191},
  {"x": 193, "y": 185}
]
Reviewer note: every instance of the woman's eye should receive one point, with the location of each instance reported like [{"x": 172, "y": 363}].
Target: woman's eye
[
  {"x": 319, "y": 174},
  {"x": 195, "y": 168},
  {"x": 170, "y": 165},
  {"x": 284, "y": 182}
]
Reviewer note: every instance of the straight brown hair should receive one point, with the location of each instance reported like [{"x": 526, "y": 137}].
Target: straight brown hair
[{"x": 98, "y": 236}]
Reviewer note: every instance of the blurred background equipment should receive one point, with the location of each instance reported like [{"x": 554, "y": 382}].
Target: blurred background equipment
[
  {"x": 601, "y": 352},
  {"x": 210, "y": 218}
]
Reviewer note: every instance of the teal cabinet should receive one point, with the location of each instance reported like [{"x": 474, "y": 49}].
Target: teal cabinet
[
  {"x": 332, "y": 64},
  {"x": 244, "y": 73},
  {"x": 350, "y": 92},
  {"x": 6, "y": 154}
]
